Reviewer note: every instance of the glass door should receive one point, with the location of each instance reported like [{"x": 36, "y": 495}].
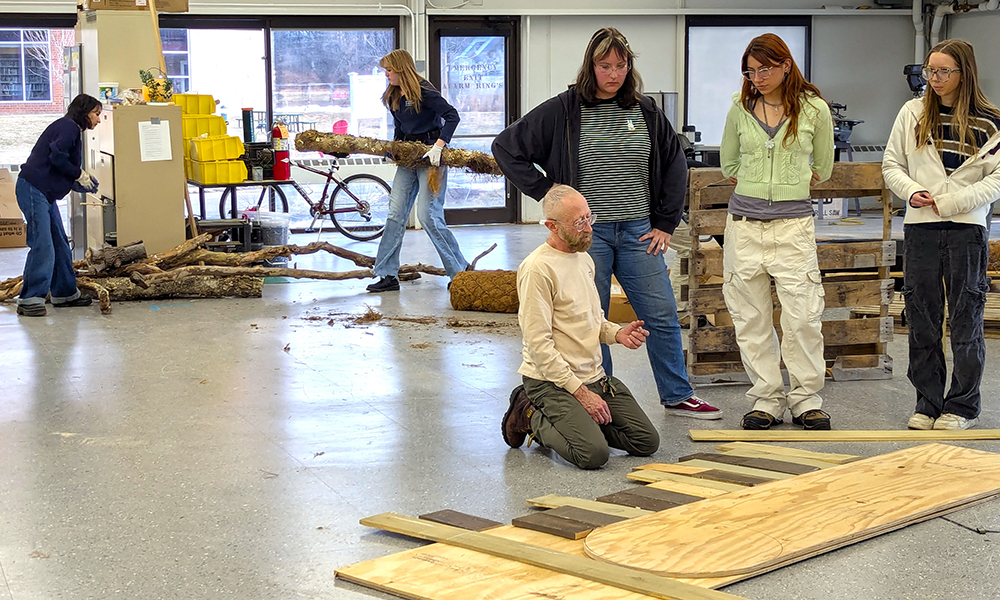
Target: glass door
[{"x": 473, "y": 62}]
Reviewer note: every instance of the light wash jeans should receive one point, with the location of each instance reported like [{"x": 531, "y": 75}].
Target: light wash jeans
[
  {"x": 617, "y": 249},
  {"x": 785, "y": 249},
  {"x": 49, "y": 266},
  {"x": 410, "y": 185}
]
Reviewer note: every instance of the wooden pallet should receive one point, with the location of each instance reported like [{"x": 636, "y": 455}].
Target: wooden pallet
[
  {"x": 512, "y": 562},
  {"x": 855, "y": 274}
]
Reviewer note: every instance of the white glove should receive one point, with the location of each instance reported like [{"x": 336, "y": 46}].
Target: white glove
[
  {"x": 87, "y": 182},
  {"x": 434, "y": 155}
]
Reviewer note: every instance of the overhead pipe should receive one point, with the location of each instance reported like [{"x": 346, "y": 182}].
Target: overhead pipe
[
  {"x": 940, "y": 12},
  {"x": 918, "y": 32}
]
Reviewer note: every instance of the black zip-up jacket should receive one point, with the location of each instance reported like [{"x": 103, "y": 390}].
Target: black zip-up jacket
[
  {"x": 549, "y": 136},
  {"x": 436, "y": 119},
  {"x": 54, "y": 163}
]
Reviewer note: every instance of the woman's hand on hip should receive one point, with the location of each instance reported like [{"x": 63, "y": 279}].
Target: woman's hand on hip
[{"x": 658, "y": 241}]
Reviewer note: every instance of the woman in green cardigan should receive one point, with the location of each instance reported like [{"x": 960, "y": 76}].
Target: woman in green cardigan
[{"x": 777, "y": 123}]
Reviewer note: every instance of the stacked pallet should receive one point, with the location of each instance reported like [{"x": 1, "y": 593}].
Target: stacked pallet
[
  {"x": 719, "y": 500},
  {"x": 210, "y": 156},
  {"x": 854, "y": 274}
]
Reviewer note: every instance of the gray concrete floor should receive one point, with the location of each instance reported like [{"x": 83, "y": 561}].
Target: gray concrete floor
[{"x": 228, "y": 448}]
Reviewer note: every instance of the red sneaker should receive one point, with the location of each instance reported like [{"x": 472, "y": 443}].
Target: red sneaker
[{"x": 695, "y": 408}]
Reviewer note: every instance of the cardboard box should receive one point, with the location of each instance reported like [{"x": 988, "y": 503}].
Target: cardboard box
[
  {"x": 12, "y": 230},
  {"x": 161, "y": 5},
  {"x": 619, "y": 311}
]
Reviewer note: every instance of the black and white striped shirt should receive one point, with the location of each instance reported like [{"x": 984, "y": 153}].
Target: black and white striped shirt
[
  {"x": 953, "y": 154},
  {"x": 614, "y": 162}
]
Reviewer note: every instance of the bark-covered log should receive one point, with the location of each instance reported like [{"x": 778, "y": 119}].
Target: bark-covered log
[
  {"x": 123, "y": 288},
  {"x": 103, "y": 297},
  {"x": 407, "y": 154},
  {"x": 101, "y": 259}
]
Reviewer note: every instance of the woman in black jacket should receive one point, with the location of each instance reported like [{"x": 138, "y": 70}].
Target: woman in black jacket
[
  {"x": 607, "y": 140},
  {"x": 51, "y": 171}
]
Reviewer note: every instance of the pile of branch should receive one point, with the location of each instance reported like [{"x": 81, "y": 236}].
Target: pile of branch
[
  {"x": 191, "y": 271},
  {"x": 407, "y": 154}
]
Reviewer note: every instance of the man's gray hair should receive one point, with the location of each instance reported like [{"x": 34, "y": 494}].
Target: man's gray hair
[{"x": 553, "y": 200}]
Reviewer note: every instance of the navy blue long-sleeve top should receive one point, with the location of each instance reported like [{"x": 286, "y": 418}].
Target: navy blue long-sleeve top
[
  {"x": 54, "y": 162},
  {"x": 435, "y": 113}
]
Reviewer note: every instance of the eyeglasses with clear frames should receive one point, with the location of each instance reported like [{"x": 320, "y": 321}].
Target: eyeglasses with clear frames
[
  {"x": 579, "y": 224},
  {"x": 606, "y": 69},
  {"x": 763, "y": 73},
  {"x": 941, "y": 74}
]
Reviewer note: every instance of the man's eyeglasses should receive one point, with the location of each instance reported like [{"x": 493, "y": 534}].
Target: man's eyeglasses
[
  {"x": 581, "y": 223},
  {"x": 606, "y": 69},
  {"x": 941, "y": 74},
  {"x": 763, "y": 73}
]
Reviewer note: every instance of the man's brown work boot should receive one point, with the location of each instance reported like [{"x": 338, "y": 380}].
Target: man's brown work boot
[{"x": 516, "y": 423}]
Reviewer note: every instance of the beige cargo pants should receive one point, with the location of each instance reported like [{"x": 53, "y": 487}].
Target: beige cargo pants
[{"x": 785, "y": 249}]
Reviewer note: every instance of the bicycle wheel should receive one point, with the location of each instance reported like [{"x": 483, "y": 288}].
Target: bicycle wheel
[
  {"x": 265, "y": 197},
  {"x": 360, "y": 207}
]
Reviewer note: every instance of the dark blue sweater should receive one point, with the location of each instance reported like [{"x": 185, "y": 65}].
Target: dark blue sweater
[
  {"x": 435, "y": 114},
  {"x": 54, "y": 163}
]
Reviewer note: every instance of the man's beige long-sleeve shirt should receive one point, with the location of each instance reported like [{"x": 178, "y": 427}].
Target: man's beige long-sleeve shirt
[{"x": 562, "y": 324}]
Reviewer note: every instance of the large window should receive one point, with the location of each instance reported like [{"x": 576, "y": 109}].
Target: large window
[
  {"x": 24, "y": 65},
  {"x": 715, "y": 46},
  {"x": 175, "y": 54}
]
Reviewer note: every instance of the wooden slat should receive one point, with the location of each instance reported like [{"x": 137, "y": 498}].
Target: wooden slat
[
  {"x": 787, "y": 453},
  {"x": 684, "y": 487},
  {"x": 590, "y": 517},
  {"x": 778, "y": 466},
  {"x": 461, "y": 520},
  {"x": 806, "y": 462},
  {"x": 739, "y": 470},
  {"x": 892, "y": 435},
  {"x": 785, "y": 521},
  {"x": 832, "y": 256},
  {"x": 650, "y": 476},
  {"x": 555, "y": 501},
  {"x": 583, "y": 568},
  {"x": 645, "y": 502},
  {"x": 846, "y": 179},
  {"x": 710, "y": 221},
  {"x": 670, "y": 468},
  {"x": 727, "y": 476},
  {"x": 837, "y": 294},
  {"x": 570, "y": 529},
  {"x": 864, "y": 367},
  {"x": 660, "y": 494},
  {"x": 835, "y": 333}
]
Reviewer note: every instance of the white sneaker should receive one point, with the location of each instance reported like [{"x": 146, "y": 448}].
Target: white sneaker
[
  {"x": 954, "y": 422},
  {"x": 921, "y": 422}
]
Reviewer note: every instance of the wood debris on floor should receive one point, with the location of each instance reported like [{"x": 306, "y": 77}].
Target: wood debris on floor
[{"x": 682, "y": 536}]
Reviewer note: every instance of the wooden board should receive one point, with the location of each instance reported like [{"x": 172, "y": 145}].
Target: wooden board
[
  {"x": 765, "y": 527},
  {"x": 767, "y": 455},
  {"x": 765, "y": 464},
  {"x": 835, "y": 333},
  {"x": 793, "y": 435},
  {"x": 761, "y": 474},
  {"x": 635, "y": 500},
  {"x": 837, "y": 294},
  {"x": 460, "y": 520},
  {"x": 834, "y": 256},
  {"x": 569, "y": 522},
  {"x": 683, "y": 487},
  {"x": 671, "y": 468},
  {"x": 651, "y": 476},
  {"x": 789, "y": 454},
  {"x": 577, "y": 567},
  {"x": 555, "y": 501}
]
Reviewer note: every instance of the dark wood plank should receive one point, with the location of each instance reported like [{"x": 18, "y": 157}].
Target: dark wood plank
[
  {"x": 835, "y": 333},
  {"x": 666, "y": 495},
  {"x": 637, "y": 501},
  {"x": 590, "y": 517},
  {"x": 727, "y": 477},
  {"x": 767, "y": 464},
  {"x": 554, "y": 525},
  {"x": 461, "y": 520}
]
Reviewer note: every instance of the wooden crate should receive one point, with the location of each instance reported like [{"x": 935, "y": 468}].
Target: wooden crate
[{"x": 855, "y": 274}]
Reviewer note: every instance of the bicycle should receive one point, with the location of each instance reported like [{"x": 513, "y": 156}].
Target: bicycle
[{"x": 358, "y": 204}]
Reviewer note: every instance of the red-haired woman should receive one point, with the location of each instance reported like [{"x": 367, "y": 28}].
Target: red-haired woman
[
  {"x": 943, "y": 156},
  {"x": 777, "y": 122}
]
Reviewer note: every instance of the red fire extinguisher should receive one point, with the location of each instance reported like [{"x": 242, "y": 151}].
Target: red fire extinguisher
[{"x": 281, "y": 145}]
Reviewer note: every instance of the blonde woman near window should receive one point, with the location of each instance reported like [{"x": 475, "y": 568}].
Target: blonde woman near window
[
  {"x": 943, "y": 157},
  {"x": 777, "y": 122}
]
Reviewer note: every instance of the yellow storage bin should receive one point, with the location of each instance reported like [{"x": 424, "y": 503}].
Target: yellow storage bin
[
  {"x": 198, "y": 125},
  {"x": 206, "y": 149},
  {"x": 187, "y": 168},
  {"x": 195, "y": 104},
  {"x": 221, "y": 171}
]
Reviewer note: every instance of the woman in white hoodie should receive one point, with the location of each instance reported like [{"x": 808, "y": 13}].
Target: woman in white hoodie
[{"x": 943, "y": 158}]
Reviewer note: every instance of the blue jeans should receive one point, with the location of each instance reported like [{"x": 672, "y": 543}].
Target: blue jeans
[
  {"x": 617, "y": 249},
  {"x": 49, "y": 266},
  {"x": 410, "y": 185}
]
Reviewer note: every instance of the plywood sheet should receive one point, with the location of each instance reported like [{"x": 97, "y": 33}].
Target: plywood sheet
[{"x": 761, "y": 528}]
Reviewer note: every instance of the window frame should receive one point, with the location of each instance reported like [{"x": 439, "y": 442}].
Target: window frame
[{"x": 22, "y": 47}]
